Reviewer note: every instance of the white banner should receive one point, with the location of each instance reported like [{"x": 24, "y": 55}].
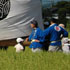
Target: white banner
[{"x": 15, "y": 16}]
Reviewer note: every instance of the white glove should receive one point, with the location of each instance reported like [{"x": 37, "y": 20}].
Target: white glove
[{"x": 33, "y": 41}]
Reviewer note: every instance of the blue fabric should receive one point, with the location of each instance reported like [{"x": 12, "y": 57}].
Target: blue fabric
[
  {"x": 36, "y": 34},
  {"x": 55, "y": 32},
  {"x": 57, "y": 43}
]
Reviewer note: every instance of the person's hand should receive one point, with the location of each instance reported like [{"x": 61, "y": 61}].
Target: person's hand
[
  {"x": 37, "y": 41},
  {"x": 26, "y": 39}
]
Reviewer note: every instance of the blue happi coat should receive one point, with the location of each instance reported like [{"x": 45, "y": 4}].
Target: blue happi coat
[
  {"x": 36, "y": 34},
  {"x": 54, "y": 31}
]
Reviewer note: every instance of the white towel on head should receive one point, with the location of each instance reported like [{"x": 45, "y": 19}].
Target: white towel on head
[
  {"x": 18, "y": 47},
  {"x": 18, "y": 40}
]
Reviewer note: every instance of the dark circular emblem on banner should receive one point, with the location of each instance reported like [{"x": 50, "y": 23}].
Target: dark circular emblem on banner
[{"x": 4, "y": 8}]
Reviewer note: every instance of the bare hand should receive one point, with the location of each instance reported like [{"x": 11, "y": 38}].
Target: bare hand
[
  {"x": 37, "y": 41},
  {"x": 26, "y": 39}
]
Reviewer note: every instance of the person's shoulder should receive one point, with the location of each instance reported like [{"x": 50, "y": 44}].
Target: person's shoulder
[
  {"x": 49, "y": 28},
  {"x": 38, "y": 28},
  {"x": 52, "y": 27}
]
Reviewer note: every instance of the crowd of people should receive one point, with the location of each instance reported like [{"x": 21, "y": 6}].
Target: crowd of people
[{"x": 57, "y": 35}]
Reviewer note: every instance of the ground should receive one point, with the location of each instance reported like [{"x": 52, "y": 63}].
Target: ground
[
  {"x": 69, "y": 34},
  {"x": 10, "y": 60}
]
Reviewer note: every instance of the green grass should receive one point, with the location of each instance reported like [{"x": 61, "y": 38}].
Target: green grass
[
  {"x": 68, "y": 27},
  {"x": 69, "y": 34},
  {"x": 10, "y": 60}
]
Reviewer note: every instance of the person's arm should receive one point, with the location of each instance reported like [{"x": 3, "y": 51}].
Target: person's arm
[
  {"x": 29, "y": 38},
  {"x": 26, "y": 39},
  {"x": 42, "y": 34},
  {"x": 65, "y": 33},
  {"x": 46, "y": 32}
]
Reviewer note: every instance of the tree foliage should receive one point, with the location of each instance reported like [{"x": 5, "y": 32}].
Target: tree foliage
[
  {"x": 63, "y": 9},
  {"x": 63, "y": 4}
]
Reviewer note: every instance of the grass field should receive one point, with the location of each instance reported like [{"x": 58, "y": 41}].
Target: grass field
[
  {"x": 10, "y": 60},
  {"x": 69, "y": 34}
]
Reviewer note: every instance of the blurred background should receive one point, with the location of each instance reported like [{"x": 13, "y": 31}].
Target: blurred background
[{"x": 58, "y": 9}]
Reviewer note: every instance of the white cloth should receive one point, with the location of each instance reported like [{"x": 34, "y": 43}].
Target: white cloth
[
  {"x": 65, "y": 49},
  {"x": 18, "y": 40},
  {"x": 17, "y": 22},
  {"x": 36, "y": 50},
  {"x": 65, "y": 45},
  {"x": 18, "y": 47}
]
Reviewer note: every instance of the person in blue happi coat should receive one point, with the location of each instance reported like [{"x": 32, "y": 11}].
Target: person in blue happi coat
[
  {"x": 35, "y": 37},
  {"x": 54, "y": 31}
]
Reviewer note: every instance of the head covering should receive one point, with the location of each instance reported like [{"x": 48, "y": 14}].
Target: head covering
[
  {"x": 62, "y": 25},
  {"x": 19, "y": 40},
  {"x": 34, "y": 22}
]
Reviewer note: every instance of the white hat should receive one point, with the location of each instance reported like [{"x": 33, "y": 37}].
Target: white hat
[{"x": 19, "y": 40}]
